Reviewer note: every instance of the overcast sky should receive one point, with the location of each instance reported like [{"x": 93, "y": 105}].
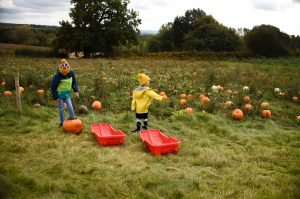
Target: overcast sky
[{"x": 284, "y": 14}]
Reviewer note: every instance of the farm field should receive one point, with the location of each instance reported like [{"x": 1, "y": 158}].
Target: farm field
[{"x": 218, "y": 157}]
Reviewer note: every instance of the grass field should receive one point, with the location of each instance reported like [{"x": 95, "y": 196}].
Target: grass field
[{"x": 218, "y": 157}]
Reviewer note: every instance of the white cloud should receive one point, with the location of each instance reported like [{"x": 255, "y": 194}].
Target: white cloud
[
  {"x": 6, "y": 4},
  {"x": 272, "y": 4}
]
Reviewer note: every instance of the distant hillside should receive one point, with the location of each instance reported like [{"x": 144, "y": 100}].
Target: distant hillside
[
  {"x": 31, "y": 25},
  {"x": 148, "y": 32},
  {"x": 143, "y": 32}
]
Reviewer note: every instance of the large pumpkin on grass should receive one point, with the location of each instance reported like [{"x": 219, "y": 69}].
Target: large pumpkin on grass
[
  {"x": 21, "y": 89},
  {"x": 229, "y": 92},
  {"x": 96, "y": 105},
  {"x": 162, "y": 93},
  {"x": 205, "y": 100},
  {"x": 266, "y": 114},
  {"x": 189, "y": 110},
  {"x": 201, "y": 97},
  {"x": 237, "y": 114},
  {"x": 295, "y": 99},
  {"x": 7, "y": 93},
  {"x": 40, "y": 91},
  {"x": 228, "y": 103},
  {"x": 72, "y": 126},
  {"x": 182, "y": 102},
  {"x": 264, "y": 105},
  {"x": 183, "y": 96},
  {"x": 246, "y": 99},
  {"x": 248, "y": 107}
]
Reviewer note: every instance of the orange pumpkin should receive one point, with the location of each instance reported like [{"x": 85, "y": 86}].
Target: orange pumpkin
[
  {"x": 190, "y": 96},
  {"x": 295, "y": 99},
  {"x": 246, "y": 99},
  {"x": 248, "y": 107},
  {"x": 96, "y": 105},
  {"x": 189, "y": 110},
  {"x": 182, "y": 102},
  {"x": 162, "y": 94},
  {"x": 40, "y": 91},
  {"x": 21, "y": 89},
  {"x": 264, "y": 105},
  {"x": 229, "y": 92},
  {"x": 228, "y": 103},
  {"x": 205, "y": 100},
  {"x": 36, "y": 105},
  {"x": 7, "y": 93},
  {"x": 3, "y": 83},
  {"x": 201, "y": 97},
  {"x": 266, "y": 114},
  {"x": 221, "y": 88},
  {"x": 298, "y": 118},
  {"x": 183, "y": 96},
  {"x": 237, "y": 114},
  {"x": 72, "y": 126}
]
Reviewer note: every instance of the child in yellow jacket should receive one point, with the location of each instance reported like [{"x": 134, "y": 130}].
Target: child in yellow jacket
[{"x": 141, "y": 100}]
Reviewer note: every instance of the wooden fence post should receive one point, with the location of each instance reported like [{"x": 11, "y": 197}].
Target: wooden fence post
[{"x": 18, "y": 96}]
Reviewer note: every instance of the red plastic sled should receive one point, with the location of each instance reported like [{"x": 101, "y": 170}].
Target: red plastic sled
[
  {"x": 106, "y": 135},
  {"x": 158, "y": 143}
]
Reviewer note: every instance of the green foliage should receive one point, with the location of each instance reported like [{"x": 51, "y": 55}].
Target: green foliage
[
  {"x": 209, "y": 35},
  {"x": 268, "y": 41},
  {"x": 27, "y": 34},
  {"x": 98, "y": 27},
  {"x": 183, "y": 24}
]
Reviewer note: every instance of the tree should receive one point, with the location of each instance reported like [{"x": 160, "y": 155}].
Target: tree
[
  {"x": 184, "y": 24},
  {"x": 209, "y": 35},
  {"x": 267, "y": 40},
  {"x": 98, "y": 26},
  {"x": 153, "y": 44},
  {"x": 165, "y": 37}
]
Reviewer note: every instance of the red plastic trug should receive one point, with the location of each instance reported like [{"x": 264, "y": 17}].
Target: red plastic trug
[
  {"x": 106, "y": 135},
  {"x": 158, "y": 143}
]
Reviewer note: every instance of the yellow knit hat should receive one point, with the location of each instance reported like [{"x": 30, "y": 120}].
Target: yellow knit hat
[
  {"x": 64, "y": 67},
  {"x": 143, "y": 79}
]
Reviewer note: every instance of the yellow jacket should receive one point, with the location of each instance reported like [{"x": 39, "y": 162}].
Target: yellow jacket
[{"x": 141, "y": 99}]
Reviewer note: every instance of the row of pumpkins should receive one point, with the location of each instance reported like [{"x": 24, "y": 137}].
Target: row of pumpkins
[
  {"x": 96, "y": 104},
  {"x": 237, "y": 114}
]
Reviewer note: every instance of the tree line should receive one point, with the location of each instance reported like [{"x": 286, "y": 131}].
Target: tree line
[
  {"x": 35, "y": 35},
  {"x": 105, "y": 26}
]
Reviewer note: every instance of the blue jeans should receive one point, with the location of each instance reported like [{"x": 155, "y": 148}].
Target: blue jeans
[{"x": 61, "y": 108}]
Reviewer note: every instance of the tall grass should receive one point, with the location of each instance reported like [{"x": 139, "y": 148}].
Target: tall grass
[{"x": 217, "y": 159}]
